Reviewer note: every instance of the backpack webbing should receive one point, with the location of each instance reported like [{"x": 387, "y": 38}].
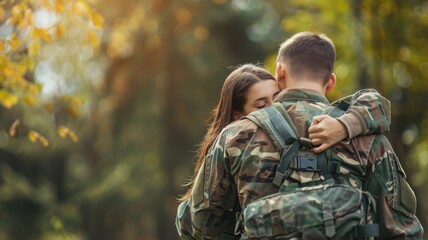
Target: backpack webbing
[{"x": 276, "y": 122}]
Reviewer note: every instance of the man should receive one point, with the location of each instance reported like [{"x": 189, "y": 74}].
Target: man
[{"x": 241, "y": 166}]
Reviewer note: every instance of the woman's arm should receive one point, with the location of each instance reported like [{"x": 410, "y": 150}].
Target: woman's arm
[
  {"x": 208, "y": 212},
  {"x": 368, "y": 113}
]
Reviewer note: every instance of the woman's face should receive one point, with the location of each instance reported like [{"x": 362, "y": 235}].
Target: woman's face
[{"x": 260, "y": 95}]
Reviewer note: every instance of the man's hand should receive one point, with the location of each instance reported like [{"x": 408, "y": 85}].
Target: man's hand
[{"x": 326, "y": 131}]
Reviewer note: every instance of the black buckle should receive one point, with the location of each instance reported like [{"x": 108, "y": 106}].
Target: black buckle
[
  {"x": 306, "y": 143},
  {"x": 305, "y": 161}
]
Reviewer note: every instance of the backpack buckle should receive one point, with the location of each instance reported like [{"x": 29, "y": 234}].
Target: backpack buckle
[
  {"x": 305, "y": 161},
  {"x": 306, "y": 143}
]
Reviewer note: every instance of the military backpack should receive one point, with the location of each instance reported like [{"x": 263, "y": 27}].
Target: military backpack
[{"x": 319, "y": 209}]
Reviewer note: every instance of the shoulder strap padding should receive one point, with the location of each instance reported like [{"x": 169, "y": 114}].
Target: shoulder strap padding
[{"x": 276, "y": 122}]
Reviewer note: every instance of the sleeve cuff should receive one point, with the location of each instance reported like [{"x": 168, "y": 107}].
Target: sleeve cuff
[{"x": 353, "y": 124}]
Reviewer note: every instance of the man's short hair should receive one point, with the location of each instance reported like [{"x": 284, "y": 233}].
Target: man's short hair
[{"x": 308, "y": 55}]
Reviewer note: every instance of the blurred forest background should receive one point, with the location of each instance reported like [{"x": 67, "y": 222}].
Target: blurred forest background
[{"x": 103, "y": 102}]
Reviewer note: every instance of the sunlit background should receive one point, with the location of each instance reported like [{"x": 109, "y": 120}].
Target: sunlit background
[{"x": 103, "y": 103}]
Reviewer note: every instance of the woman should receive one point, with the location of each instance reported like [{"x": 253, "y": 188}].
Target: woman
[{"x": 247, "y": 89}]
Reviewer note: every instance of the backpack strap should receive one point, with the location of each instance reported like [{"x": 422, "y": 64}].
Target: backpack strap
[
  {"x": 276, "y": 125},
  {"x": 337, "y": 108},
  {"x": 276, "y": 122},
  {"x": 283, "y": 134}
]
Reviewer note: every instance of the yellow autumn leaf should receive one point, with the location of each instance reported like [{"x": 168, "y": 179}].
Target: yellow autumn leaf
[
  {"x": 73, "y": 137},
  {"x": 34, "y": 47},
  {"x": 26, "y": 15},
  {"x": 2, "y": 13},
  {"x": 92, "y": 38},
  {"x": 46, "y": 3},
  {"x": 31, "y": 64},
  {"x": 21, "y": 67},
  {"x": 72, "y": 106},
  {"x": 13, "y": 127},
  {"x": 29, "y": 100},
  {"x": 29, "y": 17},
  {"x": 75, "y": 101},
  {"x": 59, "y": 6},
  {"x": 19, "y": 83},
  {"x": 14, "y": 42},
  {"x": 16, "y": 15},
  {"x": 7, "y": 99},
  {"x": 34, "y": 136},
  {"x": 34, "y": 88},
  {"x": 43, "y": 141},
  {"x": 42, "y": 33},
  {"x": 73, "y": 111},
  {"x": 63, "y": 132},
  {"x": 15, "y": 71},
  {"x": 80, "y": 8},
  {"x": 97, "y": 19},
  {"x": 2, "y": 47},
  {"x": 59, "y": 30}
]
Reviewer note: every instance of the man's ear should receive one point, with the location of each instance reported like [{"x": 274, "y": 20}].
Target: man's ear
[
  {"x": 331, "y": 83},
  {"x": 281, "y": 74}
]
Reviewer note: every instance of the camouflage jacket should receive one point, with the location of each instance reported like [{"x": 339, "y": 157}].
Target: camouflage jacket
[
  {"x": 369, "y": 113},
  {"x": 242, "y": 162}
]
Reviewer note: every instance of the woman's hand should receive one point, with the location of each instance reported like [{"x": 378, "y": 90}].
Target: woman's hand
[{"x": 326, "y": 131}]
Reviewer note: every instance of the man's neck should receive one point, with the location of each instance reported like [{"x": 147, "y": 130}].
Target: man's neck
[{"x": 302, "y": 84}]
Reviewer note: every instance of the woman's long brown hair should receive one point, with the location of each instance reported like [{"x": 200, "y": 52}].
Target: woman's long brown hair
[{"x": 232, "y": 100}]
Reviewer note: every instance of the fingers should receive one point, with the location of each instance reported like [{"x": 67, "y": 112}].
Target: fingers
[
  {"x": 319, "y": 149},
  {"x": 317, "y": 134},
  {"x": 318, "y": 119},
  {"x": 323, "y": 145},
  {"x": 316, "y": 141},
  {"x": 312, "y": 129},
  {"x": 325, "y": 132},
  {"x": 315, "y": 121}
]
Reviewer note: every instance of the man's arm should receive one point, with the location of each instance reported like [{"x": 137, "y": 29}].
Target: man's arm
[
  {"x": 369, "y": 112},
  {"x": 209, "y": 211}
]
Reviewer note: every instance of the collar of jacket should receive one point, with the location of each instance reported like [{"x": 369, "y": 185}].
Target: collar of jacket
[{"x": 301, "y": 95}]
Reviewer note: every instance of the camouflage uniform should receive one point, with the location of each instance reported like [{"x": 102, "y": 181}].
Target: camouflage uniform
[{"x": 242, "y": 162}]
